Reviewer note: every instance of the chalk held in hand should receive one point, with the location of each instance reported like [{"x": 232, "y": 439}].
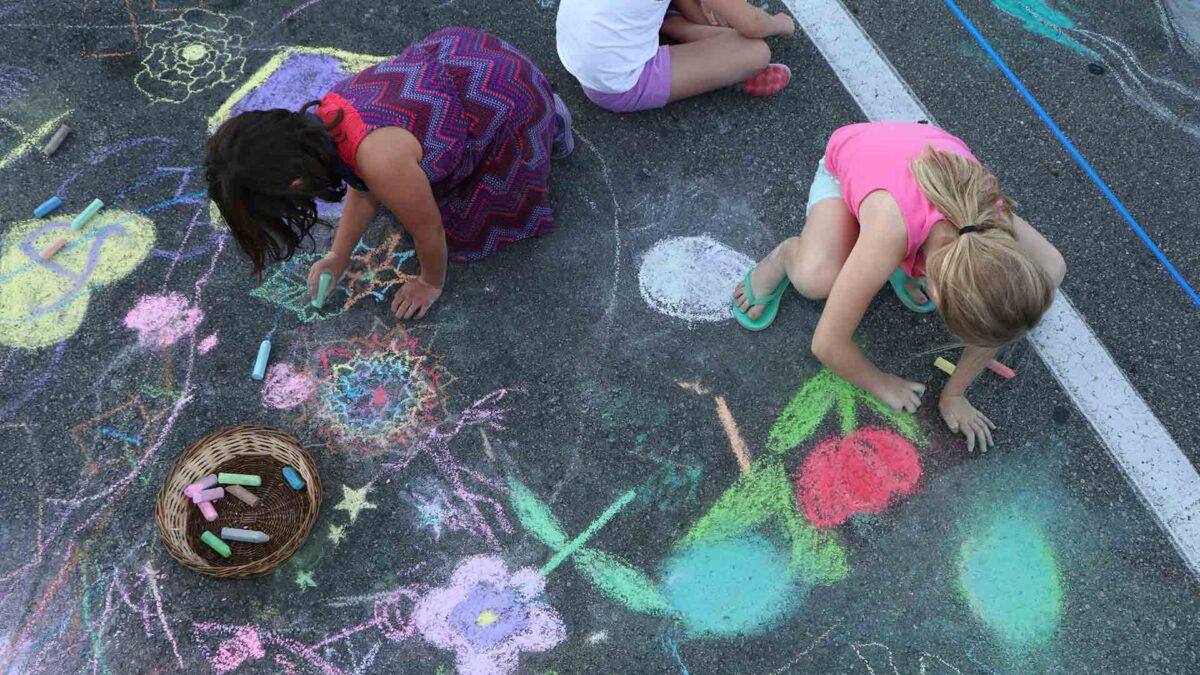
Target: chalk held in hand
[
  {"x": 260, "y": 363},
  {"x": 208, "y": 495},
  {"x": 293, "y": 478},
  {"x": 239, "y": 479},
  {"x": 53, "y": 249},
  {"x": 86, "y": 215},
  {"x": 215, "y": 543},
  {"x": 47, "y": 207},
  {"x": 56, "y": 140},
  {"x": 203, "y": 484},
  {"x": 241, "y": 493},
  {"x": 248, "y": 536},
  {"x": 208, "y": 511},
  {"x": 322, "y": 289}
]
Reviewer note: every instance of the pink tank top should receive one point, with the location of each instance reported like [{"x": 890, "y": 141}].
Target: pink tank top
[{"x": 878, "y": 156}]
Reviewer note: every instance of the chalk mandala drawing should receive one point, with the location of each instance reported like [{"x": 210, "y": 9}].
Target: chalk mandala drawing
[
  {"x": 372, "y": 272},
  {"x": 488, "y": 617},
  {"x": 16, "y": 141},
  {"x": 285, "y": 387},
  {"x": 292, "y": 77},
  {"x": 377, "y": 393},
  {"x": 44, "y": 301},
  {"x": 161, "y": 320},
  {"x": 1010, "y": 579},
  {"x": 691, "y": 278},
  {"x": 859, "y": 473},
  {"x": 196, "y": 51}
]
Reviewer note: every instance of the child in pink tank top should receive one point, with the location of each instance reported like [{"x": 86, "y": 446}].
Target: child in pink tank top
[{"x": 908, "y": 204}]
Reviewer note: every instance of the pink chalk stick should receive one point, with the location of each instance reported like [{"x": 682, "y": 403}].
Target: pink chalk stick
[
  {"x": 1002, "y": 370},
  {"x": 209, "y": 511},
  {"x": 208, "y": 495},
  {"x": 53, "y": 248},
  {"x": 202, "y": 484}
]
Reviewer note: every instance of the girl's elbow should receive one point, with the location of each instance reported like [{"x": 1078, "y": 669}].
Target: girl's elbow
[{"x": 822, "y": 348}]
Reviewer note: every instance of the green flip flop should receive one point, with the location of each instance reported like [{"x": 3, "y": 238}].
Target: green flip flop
[
  {"x": 771, "y": 301},
  {"x": 899, "y": 277}
]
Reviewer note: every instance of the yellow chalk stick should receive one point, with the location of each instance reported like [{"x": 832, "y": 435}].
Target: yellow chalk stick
[{"x": 944, "y": 365}]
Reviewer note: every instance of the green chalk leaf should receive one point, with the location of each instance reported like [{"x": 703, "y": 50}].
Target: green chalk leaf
[
  {"x": 621, "y": 581},
  {"x": 803, "y": 414},
  {"x": 754, "y": 498},
  {"x": 905, "y": 423},
  {"x": 536, "y": 516}
]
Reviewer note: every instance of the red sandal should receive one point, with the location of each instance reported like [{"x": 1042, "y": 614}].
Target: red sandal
[{"x": 769, "y": 82}]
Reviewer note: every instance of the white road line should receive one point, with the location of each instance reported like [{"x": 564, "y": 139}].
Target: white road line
[{"x": 1147, "y": 455}]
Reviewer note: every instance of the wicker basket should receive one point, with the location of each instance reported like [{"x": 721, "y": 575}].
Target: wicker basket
[{"x": 285, "y": 514}]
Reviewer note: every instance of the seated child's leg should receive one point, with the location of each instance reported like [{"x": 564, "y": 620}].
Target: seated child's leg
[
  {"x": 721, "y": 61},
  {"x": 680, "y": 29},
  {"x": 811, "y": 261}
]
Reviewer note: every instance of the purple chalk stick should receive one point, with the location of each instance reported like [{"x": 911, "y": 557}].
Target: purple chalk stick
[
  {"x": 202, "y": 484},
  {"x": 208, "y": 495}
]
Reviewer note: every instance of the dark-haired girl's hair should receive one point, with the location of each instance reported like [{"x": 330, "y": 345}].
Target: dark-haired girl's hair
[{"x": 265, "y": 169}]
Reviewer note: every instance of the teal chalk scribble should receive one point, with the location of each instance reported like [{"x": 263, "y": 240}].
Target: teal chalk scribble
[{"x": 1038, "y": 17}]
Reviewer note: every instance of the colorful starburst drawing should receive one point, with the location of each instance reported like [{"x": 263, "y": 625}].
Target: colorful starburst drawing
[{"x": 377, "y": 393}]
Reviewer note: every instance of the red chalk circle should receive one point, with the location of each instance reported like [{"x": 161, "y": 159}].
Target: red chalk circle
[{"x": 861, "y": 473}]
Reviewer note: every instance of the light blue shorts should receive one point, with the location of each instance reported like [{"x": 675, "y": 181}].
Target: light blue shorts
[{"x": 824, "y": 186}]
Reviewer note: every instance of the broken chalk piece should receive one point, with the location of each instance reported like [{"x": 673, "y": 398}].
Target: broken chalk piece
[
  {"x": 322, "y": 290},
  {"x": 52, "y": 249},
  {"x": 56, "y": 140},
  {"x": 210, "y": 495},
  {"x": 86, "y": 214},
  {"x": 1002, "y": 370},
  {"x": 293, "y": 478},
  {"x": 260, "y": 363},
  {"x": 216, "y": 544},
  {"x": 47, "y": 207},
  {"x": 208, "y": 510},
  {"x": 248, "y": 536},
  {"x": 242, "y": 494},
  {"x": 202, "y": 484},
  {"x": 944, "y": 365},
  {"x": 239, "y": 479}
]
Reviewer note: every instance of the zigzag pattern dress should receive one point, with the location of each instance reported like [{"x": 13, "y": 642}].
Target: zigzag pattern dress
[{"x": 484, "y": 115}]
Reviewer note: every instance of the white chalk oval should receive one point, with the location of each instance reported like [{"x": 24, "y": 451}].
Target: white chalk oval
[{"x": 692, "y": 278}]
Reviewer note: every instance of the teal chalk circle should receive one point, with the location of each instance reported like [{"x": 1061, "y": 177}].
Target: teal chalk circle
[{"x": 732, "y": 587}]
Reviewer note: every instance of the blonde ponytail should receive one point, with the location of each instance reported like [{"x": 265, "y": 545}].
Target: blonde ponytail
[{"x": 990, "y": 291}]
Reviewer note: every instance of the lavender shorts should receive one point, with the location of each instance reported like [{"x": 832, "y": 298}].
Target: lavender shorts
[{"x": 653, "y": 88}]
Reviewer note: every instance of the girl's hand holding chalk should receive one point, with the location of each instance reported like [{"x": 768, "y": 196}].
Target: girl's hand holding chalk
[{"x": 334, "y": 264}]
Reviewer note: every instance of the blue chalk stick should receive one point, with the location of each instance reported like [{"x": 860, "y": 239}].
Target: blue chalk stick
[
  {"x": 260, "y": 364},
  {"x": 293, "y": 478},
  {"x": 86, "y": 214},
  {"x": 47, "y": 207}
]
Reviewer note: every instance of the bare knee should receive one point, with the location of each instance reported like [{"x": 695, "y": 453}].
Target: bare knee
[
  {"x": 759, "y": 54},
  {"x": 812, "y": 276}
]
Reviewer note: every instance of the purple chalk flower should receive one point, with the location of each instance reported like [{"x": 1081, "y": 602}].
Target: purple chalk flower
[{"x": 489, "y": 617}]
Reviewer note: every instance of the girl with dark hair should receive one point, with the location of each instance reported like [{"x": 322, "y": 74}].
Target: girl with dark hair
[{"x": 454, "y": 137}]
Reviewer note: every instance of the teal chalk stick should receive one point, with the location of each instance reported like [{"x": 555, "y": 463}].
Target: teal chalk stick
[
  {"x": 322, "y": 290},
  {"x": 86, "y": 214},
  {"x": 216, "y": 544},
  {"x": 239, "y": 479},
  {"x": 260, "y": 363},
  {"x": 293, "y": 478}
]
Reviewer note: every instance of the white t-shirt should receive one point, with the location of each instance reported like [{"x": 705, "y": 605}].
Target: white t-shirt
[{"x": 605, "y": 44}]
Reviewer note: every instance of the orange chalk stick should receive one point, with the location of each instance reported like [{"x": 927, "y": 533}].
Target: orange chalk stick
[{"x": 53, "y": 248}]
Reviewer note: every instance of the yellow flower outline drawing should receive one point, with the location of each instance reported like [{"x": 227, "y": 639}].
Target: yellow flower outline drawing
[{"x": 196, "y": 51}]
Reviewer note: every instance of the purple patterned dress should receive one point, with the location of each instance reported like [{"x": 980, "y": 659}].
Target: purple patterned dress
[{"x": 484, "y": 115}]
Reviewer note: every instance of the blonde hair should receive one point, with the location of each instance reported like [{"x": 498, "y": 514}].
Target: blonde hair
[{"x": 990, "y": 292}]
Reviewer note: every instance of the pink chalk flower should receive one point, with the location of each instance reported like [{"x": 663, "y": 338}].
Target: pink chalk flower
[
  {"x": 160, "y": 320},
  {"x": 285, "y": 387},
  {"x": 246, "y": 645},
  {"x": 489, "y": 617}
]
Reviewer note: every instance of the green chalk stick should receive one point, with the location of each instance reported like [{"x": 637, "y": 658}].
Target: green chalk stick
[
  {"x": 214, "y": 542},
  {"x": 322, "y": 290},
  {"x": 239, "y": 479},
  {"x": 86, "y": 214}
]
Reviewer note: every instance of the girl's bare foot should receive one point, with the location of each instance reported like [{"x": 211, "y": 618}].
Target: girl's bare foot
[{"x": 763, "y": 279}]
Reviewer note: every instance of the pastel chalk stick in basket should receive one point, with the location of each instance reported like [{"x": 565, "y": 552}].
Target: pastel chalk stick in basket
[
  {"x": 260, "y": 363},
  {"x": 209, "y": 495},
  {"x": 293, "y": 478},
  {"x": 239, "y": 479},
  {"x": 203, "y": 484},
  {"x": 247, "y": 536},
  {"x": 47, "y": 207},
  {"x": 86, "y": 215},
  {"x": 242, "y": 493},
  {"x": 214, "y": 542},
  {"x": 208, "y": 511}
]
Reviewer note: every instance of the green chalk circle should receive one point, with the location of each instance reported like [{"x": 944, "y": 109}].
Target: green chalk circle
[
  {"x": 239, "y": 479},
  {"x": 216, "y": 544},
  {"x": 86, "y": 214},
  {"x": 322, "y": 289}
]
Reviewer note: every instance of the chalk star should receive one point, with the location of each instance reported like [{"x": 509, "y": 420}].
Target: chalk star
[
  {"x": 336, "y": 534},
  {"x": 354, "y": 501},
  {"x": 304, "y": 579}
]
